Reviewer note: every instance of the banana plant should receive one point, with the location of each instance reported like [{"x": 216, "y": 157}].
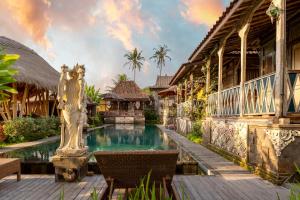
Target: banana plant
[{"x": 6, "y": 74}]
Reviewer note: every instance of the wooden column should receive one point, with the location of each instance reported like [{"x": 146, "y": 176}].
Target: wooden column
[
  {"x": 243, "y": 33},
  {"x": 185, "y": 90},
  {"x": 14, "y": 102},
  {"x": 280, "y": 58},
  {"x": 208, "y": 63},
  {"x": 220, "y": 75},
  {"x": 23, "y": 103},
  {"x": 192, "y": 93}
]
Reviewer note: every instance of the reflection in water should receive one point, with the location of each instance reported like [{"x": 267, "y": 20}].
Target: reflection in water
[
  {"x": 112, "y": 138},
  {"x": 128, "y": 137}
]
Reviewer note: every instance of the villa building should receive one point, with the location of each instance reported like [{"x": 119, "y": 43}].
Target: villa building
[
  {"x": 250, "y": 60},
  {"x": 36, "y": 84},
  {"x": 125, "y": 103},
  {"x": 162, "y": 83}
]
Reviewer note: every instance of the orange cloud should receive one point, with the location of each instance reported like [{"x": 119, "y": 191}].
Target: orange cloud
[
  {"x": 122, "y": 19},
  {"x": 201, "y": 11},
  {"x": 32, "y": 16}
]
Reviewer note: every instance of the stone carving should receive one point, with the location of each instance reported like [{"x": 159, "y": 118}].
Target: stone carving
[
  {"x": 72, "y": 102},
  {"x": 281, "y": 138},
  {"x": 231, "y": 137}
]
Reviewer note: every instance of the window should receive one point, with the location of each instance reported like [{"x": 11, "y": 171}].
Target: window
[{"x": 296, "y": 57}]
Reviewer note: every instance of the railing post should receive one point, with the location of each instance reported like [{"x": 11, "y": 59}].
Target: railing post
[
  {"x": 243, "y": 33},
  {"x": 280, "y": 57},
  {"x": 220, "y": 77}
]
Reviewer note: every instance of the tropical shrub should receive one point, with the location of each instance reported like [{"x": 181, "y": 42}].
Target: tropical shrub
[
  {"x": 29, "y": 129},
  {"x": 146, "y": 191},
  {"x": 151, "y": 116},
  {"x": 93, "y": 93},
  {"x": 95, "y": 120},
  {"x": 196, "y": 134},
  {"x": 295, "y": 189}
]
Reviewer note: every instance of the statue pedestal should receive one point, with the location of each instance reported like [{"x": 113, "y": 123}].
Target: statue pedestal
[{"x": 70, "y": 168}]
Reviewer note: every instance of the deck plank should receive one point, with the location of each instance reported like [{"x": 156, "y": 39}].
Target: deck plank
[
  {"x": 229, "y": 180},
  {"x": 37, "y": 187}
]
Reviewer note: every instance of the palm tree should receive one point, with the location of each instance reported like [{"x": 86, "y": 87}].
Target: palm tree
[
  {"x": 134, "y": 60},
  {"x": 92, "y": 93},
  {"x": 160, "y": 55},
  {"x": 120, "y": 77}
]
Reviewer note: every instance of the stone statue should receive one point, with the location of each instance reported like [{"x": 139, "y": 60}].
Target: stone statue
[{"x": 72, "y": 102}]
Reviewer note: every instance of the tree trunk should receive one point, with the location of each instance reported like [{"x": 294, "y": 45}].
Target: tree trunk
[
  {"x": 134, "y": 75},
  {"x": 160, "y": 69}
]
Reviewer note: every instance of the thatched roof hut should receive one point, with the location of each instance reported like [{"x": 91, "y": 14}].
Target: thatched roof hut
[
  {"x": 33, "y": 69},
  {"x": 130, "y": 91},
  {"x": 36, "y": 81}
]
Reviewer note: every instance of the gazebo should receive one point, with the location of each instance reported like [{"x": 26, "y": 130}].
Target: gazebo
[
  {"x": 36, "y": 83},
  {"x": 125, "y": 103}
]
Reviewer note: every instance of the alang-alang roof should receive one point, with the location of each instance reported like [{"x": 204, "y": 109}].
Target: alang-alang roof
[
  {"x": 162, "y": 82},
  {"x": 130, "y": 91},
  {"x": 32, "y": 69}
]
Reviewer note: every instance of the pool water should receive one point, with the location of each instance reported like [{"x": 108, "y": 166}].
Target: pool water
[{"x": 111, "y": 138}]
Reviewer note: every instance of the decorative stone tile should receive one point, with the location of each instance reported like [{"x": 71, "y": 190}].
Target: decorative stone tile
[
  {"x": 281, "y": 138},
  {"x": 231, "y": 137}
]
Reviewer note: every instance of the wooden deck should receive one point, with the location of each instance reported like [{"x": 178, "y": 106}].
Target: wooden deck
[
  {"x": 43, "y": 187},
  {"x": 226, "y": 181}
]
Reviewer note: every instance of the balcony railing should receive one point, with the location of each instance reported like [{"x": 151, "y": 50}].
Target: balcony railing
[
  {"x": 260, "y": 95},
  {"x": 259, "y": 98},
  {"x": 212, "y": 104},
  {"x": 230, "y": 101},
  {"x": 293, "y": 91}
]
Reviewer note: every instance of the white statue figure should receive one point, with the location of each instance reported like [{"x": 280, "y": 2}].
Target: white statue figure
[{"x": 72, "y": 102}]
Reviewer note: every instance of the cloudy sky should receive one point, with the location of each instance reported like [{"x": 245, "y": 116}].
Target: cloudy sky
[{"x": 97, "y": 33}]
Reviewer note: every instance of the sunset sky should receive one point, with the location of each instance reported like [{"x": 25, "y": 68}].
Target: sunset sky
[{"x": 97, "y": 33}]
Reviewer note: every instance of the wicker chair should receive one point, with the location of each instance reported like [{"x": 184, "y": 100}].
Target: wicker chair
[
  {"x": 10, "y": 166},
  {"x": 124, "y": 169}
]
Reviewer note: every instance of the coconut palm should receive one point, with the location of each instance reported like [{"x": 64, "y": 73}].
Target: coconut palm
[
  {"x": 7, "y": 73},
  {"x": 134, "y": 60},
  {"x": 160, "y": 55},
  {"x": 93, "y": 94},
  {"x": 120, "y": 77}
]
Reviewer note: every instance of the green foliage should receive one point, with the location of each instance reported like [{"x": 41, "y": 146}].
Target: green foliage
[
  {"x": 29, "y": 129},
  {"x": 134, "y": 60},
  {"x": 93, "y": 94},
  {"x": 62, "y": 194},
  {"x": 151, "y": 116},
  {"x": 295, "y": 189},
  {"x": 94, "y": 194},
  {"x": 7, "y": 73},
  {"x": 95, "y": 121},
  {"x": 160, "y": 55},
  {"x": 146, "y": 192},
  {"x": 196, "y": 134}
]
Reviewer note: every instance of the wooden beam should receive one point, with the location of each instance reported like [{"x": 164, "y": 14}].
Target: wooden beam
[
  {"x": 281, "y": 65},
  {"x": 23, "y": 103},
  {"x": 220, "y": 78},
  {"x": 243, "y": 35},
  {"x": 14, "y": 102}
]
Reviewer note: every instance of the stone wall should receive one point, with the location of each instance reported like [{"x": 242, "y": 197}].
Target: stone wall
[
  {"x": 230, "y": 136},
  {"x": 273, "y": 149},
  {"x": 184, "y": 125}
]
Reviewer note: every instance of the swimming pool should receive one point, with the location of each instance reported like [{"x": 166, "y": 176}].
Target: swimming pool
[{"x": 112, "y": 138}]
